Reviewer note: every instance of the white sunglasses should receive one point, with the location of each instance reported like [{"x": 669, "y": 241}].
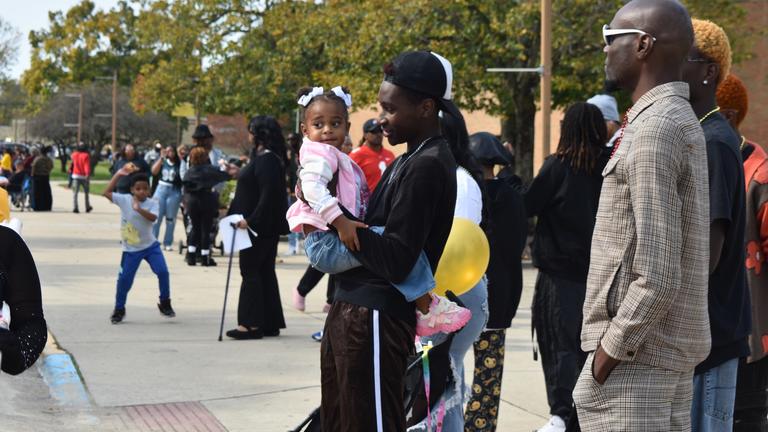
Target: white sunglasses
[{"x": 609, "y": 33}]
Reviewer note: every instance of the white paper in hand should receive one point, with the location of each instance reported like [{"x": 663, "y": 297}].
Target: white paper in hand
[{"x": 242, "y": 241}]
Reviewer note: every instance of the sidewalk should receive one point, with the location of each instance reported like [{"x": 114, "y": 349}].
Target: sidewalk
[{"x": 266, "y": 385}]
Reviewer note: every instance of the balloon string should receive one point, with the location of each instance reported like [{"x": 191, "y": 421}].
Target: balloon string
[{"x": 425, "y": 363}]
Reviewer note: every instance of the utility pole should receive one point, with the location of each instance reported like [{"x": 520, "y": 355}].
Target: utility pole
[
  {"x": 80, "y": 120},
  {"x": 541, "y": 149},
  {"x": 197, "y": 107},
  {"x": 79, "y": 124},
  {"x": 114, "y": 112},
  {"x": 113, "y": 78},
  {"x": 546, "y": 85}
]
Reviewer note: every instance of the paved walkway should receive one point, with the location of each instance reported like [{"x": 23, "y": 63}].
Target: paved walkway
[{"x": 178, "y": 364}]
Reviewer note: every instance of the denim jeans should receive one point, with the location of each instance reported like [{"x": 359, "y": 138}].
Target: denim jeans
[
  {"x": 169, "y": 199},
  {"x": 293, "y": 237},
  {"x": 476, "y": 300},
  {"x": 130, "y": 262},
  {"x": 714, "y": 393},
  {"x": 328, "y": 254}
]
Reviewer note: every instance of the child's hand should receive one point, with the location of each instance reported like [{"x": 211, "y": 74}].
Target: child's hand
[
  {"x": 135, "y": 204},
  {"x": 348, "y": 232}
]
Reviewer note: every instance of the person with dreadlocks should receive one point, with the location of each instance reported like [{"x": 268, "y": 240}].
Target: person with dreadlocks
[
  {"x": 564, "y": 197},
  {"x": 750, "y": 411},
  {"x": 714, "y": 381}
]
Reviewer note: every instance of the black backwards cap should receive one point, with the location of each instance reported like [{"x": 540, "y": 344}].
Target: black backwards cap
[{"x": 427, "y": 73}]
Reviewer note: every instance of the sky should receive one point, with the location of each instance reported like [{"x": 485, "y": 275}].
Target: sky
[{"x": 33, "y": 15}]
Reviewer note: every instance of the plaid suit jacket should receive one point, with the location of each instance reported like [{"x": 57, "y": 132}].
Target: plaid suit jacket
[{"x": 646, "y": 295}]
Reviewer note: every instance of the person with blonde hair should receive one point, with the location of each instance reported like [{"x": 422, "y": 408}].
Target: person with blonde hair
[
  {"x": 714, "y": 381},
  {"x": 750, "y": 412}
]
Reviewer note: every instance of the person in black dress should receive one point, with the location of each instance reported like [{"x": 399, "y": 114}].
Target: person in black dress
[
  {"x": 42, "y": 166},
  {"x": 22, "y": 344},
  {"x": 262, "y": 199}
]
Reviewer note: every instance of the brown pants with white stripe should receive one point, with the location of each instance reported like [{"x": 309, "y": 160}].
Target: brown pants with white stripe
[
  {"x": 635, "y": 398},
  {"x": 363, "y": 360}
]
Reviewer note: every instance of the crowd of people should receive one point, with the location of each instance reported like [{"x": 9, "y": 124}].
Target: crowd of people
[
  {"x": 650, "y": 231},
  {"x": 25, "y": 173}
]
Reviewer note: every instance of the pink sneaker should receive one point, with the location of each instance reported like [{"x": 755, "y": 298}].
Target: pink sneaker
[
  {"x": 299, "y": 302},
  {"x": 444, "y": 316}
]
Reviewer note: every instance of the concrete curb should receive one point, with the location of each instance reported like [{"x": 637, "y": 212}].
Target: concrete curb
[{"x": 60, "y": 373}]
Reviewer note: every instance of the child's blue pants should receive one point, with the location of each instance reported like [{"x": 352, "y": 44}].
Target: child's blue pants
[{"x": 129, "y": 263}]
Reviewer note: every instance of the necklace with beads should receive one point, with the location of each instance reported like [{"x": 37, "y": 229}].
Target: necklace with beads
[{"x": 701, "y": 120}]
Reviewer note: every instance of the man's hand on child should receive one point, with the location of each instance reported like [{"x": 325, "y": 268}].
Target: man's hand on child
[{"x": 347, "y": 230}]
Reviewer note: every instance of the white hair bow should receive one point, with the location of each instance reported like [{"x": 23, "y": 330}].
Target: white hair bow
[
  {"x": 346, "y": 97},
  {"x": 319, "y": 91},
  {"x": 307, "y": 98}
]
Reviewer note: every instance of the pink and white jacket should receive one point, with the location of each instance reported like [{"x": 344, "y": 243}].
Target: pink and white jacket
[{"x": 318, "y": 163}]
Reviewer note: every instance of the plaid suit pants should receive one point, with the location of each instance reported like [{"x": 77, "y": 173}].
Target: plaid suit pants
[{"x": 636, "y": 397}]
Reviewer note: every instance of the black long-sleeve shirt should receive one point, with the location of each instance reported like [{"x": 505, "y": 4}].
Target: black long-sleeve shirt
[
  {"x": 202, "y": 178},
  {"x": 261, "y": 195},
  {"x": 20, "y": 288},
  {"x": 415, "y": 202},
  {"x": 507, "y": 230},
  {"x": 566, "y": 203}
]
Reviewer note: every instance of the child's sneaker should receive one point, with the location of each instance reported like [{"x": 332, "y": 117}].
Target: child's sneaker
[
  {"x": 166, "y": 309},
  {"x": 299, "y": 301},
  {"x": 444, "y": 316},
  {"x": 117, "y": 316}
]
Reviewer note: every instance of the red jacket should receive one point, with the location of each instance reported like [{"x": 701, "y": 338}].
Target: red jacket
[{"x": 81, "y": 164}]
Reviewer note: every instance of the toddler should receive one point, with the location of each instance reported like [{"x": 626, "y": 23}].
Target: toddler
[{"x": 332, "y": 190}]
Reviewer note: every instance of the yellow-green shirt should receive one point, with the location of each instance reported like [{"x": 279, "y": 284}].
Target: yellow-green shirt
[{"x": 7, "y": 163}]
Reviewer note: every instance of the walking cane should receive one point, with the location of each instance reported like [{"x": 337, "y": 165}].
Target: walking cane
[{"x": 229, "y": 272}]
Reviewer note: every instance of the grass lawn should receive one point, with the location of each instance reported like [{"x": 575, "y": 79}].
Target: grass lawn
[
  {"x": 100, "y": 173},
  {"x": 95, "y": 189}
]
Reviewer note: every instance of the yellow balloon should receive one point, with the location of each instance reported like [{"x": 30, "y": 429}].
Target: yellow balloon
[{"x": 464, "y": 259}]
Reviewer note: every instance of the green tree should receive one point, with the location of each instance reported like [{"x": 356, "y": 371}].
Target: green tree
[
  {"x": 191, "y": 39},
  {"x": 13, "y": 99},
  {"x": 246, "y": 56},
  {"x": 83, "y": 44},
  {"x": 9, "y": 45}
]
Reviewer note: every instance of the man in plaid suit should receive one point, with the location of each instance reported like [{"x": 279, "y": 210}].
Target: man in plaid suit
[{"x": 645, "y": 314}]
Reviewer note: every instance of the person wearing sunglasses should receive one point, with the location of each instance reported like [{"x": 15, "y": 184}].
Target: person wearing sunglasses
[
  {"x": 645, "y": 321},
  {"x": 714, "y": 385}
]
